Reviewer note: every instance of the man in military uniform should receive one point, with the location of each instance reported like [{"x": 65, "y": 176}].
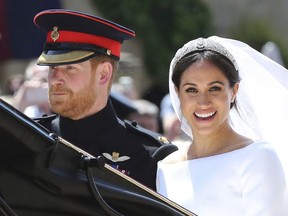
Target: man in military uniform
[{"x": 82, "y": 52}]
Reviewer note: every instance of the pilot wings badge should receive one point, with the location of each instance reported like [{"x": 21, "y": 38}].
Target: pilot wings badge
[{"x": 115, "y": 157}]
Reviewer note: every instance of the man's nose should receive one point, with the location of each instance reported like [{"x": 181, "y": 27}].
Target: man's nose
[{"x": 56, "y": 75}]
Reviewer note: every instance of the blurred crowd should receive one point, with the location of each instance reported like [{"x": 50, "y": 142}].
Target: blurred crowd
[{"x": 28, "y": 92}]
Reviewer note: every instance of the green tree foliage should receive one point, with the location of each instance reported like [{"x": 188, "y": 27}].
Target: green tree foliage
[
  {"x": 256, "y": 33},
  {"x": 162, "y": 26}
]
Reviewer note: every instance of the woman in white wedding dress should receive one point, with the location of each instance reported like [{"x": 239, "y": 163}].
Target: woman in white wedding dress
[{"x": 233, "y": 107}]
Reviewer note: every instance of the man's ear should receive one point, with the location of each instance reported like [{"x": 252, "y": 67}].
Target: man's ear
[{"x": 105, "y": 73}]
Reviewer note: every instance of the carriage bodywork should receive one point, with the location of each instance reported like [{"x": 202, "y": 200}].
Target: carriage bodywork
[{"x": 42, "y": 174}]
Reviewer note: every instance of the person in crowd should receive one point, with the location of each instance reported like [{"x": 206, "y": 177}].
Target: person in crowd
[
  {"x": 13, "y": 83},
  {"x": 171, "y": 124},
  {"x": 233, "y": 166},
  {"x": 11, "y": 87},
  {"x": 126, "y": 85},
  {"x": 122, "y": 105},
  {"x": 32, "y": 96},
  {"x": 272, "y": 50},
  {"x": 146, "y": 115},
  {"x": 83, "y": 52}
]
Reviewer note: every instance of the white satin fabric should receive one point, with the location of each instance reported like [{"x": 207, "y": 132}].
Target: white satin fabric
[{"x": 244, "y": 182}]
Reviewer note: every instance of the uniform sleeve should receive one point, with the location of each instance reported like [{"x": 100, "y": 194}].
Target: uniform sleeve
[
  {"x": 164, "y": 151},
  {"x": 263, "y": 184}
]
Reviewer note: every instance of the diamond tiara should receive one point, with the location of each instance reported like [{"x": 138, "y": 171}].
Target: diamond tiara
[{"x": 203, "y": 44}]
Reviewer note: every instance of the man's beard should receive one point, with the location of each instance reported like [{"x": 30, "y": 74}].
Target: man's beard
[{"x": 76, "y": 104}]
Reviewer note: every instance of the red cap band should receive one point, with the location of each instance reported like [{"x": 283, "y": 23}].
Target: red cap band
[{"x": 78, "y": 37}]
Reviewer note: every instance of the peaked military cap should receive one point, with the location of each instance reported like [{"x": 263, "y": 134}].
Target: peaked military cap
[{"x": 74, "y": 37}]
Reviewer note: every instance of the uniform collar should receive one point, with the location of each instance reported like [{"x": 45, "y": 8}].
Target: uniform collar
[{"x": 99, "y": 122}]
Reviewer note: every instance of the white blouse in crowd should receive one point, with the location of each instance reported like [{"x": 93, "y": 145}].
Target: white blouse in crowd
[{"x": 244, "y": 182}]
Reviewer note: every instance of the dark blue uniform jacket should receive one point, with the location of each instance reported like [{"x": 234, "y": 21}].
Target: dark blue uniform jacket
[{"x": 125, "y": 145}]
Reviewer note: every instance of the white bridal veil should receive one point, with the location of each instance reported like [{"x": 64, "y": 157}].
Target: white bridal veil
[{"x": 262, "y": 98}]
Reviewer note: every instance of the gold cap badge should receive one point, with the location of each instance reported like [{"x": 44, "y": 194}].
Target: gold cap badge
[{"x": 55, "y": 33}]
